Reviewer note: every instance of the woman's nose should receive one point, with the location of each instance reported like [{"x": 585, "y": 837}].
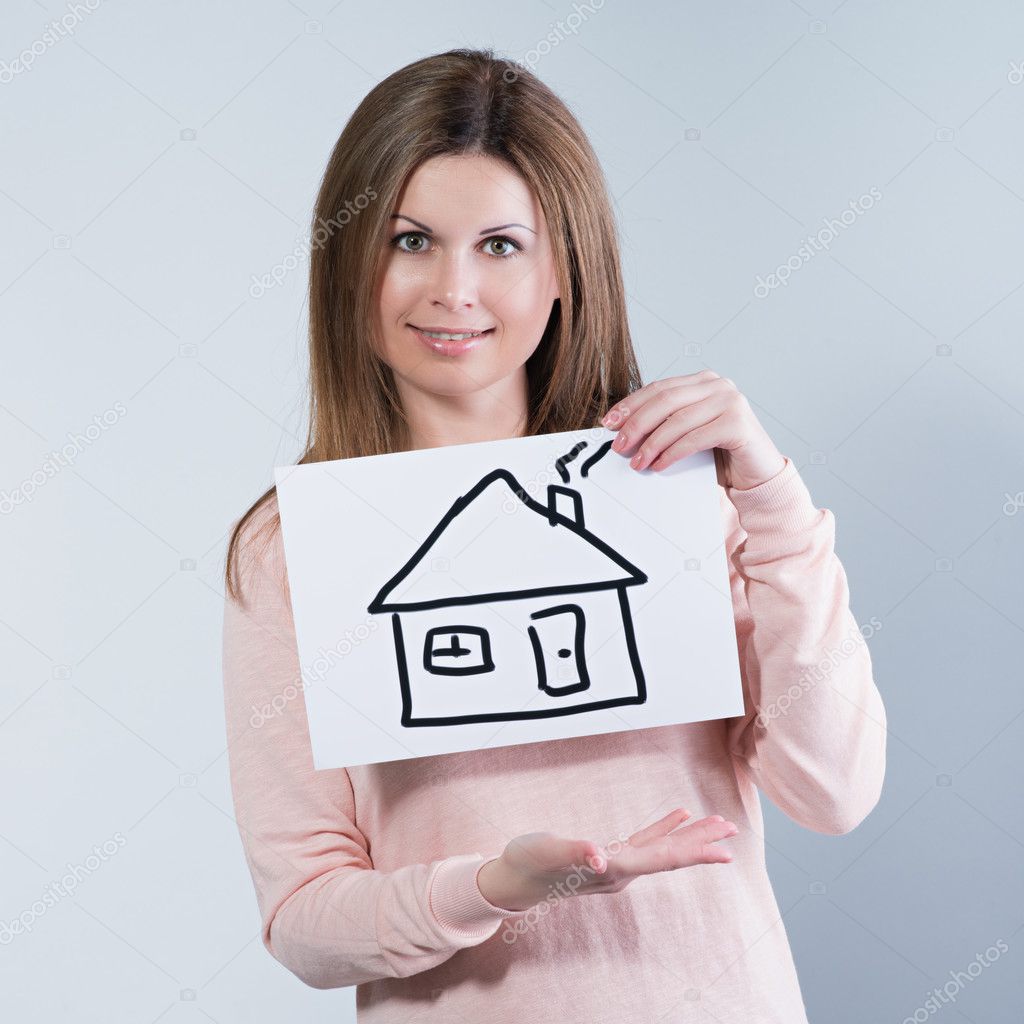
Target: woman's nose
[{"x": 455, "y": 283}]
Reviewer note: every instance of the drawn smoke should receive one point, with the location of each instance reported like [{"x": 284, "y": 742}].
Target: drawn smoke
[{"x": 563, "y": 502}]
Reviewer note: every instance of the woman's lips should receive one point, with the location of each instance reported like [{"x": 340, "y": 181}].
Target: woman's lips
[{"x": 450, "y": 348}]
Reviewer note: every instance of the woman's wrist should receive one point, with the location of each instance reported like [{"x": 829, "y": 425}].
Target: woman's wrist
[{"x": 497, "y": 888}]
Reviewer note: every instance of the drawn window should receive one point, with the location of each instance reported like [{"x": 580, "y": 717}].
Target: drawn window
[{"x": 457, "y": 651}]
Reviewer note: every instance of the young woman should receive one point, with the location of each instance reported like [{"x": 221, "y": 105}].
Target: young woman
[{"x": 465, "y": 286}]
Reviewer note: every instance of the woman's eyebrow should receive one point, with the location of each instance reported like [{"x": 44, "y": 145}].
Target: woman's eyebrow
[{"x": 486, "y": 231}]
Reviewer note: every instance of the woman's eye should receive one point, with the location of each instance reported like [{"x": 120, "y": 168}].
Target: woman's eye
[
  {"x": 409, "y": 234},
  {"x": 509, "y": 250},
  {"x": 415, "y": 241}
]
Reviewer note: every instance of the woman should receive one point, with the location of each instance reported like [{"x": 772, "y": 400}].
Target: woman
[{"x": 473, "y": 292}]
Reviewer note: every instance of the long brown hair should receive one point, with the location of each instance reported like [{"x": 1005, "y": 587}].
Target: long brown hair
[{"x": 462, "y": 102}]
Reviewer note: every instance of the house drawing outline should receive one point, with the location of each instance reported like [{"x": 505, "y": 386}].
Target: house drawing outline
[{"x": 515, "y": 634}]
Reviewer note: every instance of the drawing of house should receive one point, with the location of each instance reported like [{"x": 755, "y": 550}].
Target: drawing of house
[{"x": 512, "y": 609}]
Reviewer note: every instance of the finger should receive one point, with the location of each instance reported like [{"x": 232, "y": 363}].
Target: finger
[
  {"x": 705, "y": 830},
  {"x": 715, "y": 855},
  {"x": 564, "y": 856},
  {"x": 661, "y": 827},
  {"x": 685, "y": 847},
  {"x": 590, "y": 854},
  {"x": 645, "y": 416},
  {"x": 680, "y": 425},
  {"x": 708, "y": 831},
  {"x": 575, "y": 853},
  {"x": 715, "y": 433},
  {"x": 625, "y": 408},
  {"x": 552, "y": 853},
  {"x": 645, "y": 409},
  {"x": 696, "y": 844},
  {"x": 580, "y": 852},
  {"x": 686, "y": 817}
]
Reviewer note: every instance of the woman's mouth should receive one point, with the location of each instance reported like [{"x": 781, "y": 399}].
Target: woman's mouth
[{"x": 450, "y": 343}]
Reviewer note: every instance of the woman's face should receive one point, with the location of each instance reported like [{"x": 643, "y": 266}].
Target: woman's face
[{"x": 468, "y": 252}]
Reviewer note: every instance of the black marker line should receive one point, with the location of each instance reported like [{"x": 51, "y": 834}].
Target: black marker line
[
  {"x": 599, "y": 454},
  {"x": 568, "y": 457},
  {"x": 633, "y": 576},
  {"x": 381, "y": 604}
]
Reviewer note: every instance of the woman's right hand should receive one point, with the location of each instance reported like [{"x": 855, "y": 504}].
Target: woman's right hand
[{"x": 534, "y": 864}]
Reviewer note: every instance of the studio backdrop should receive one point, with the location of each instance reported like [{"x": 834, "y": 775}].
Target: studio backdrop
[{"x": 822, "y": 201}]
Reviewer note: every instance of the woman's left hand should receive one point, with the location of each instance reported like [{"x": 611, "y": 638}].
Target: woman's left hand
[{"x": 666, "y": 420}]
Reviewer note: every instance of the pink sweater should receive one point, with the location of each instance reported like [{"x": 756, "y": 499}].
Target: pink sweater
[{"x": 367, "y": 875}]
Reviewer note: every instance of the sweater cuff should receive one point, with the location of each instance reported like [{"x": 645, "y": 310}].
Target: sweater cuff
[
  {"x": 781, "y": 505},
  {"x": 456, "y": 901}
]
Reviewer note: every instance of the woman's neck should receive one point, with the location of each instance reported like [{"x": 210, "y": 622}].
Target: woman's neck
[{"x": 492, "y": 413}]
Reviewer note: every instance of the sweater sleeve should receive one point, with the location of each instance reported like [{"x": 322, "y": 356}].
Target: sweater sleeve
[
  {"x": 327, "y": 914},
  {"x": 813, "y": 735}
]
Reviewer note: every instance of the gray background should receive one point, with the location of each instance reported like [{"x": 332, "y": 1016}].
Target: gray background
[{"x": 164, "y": 153}]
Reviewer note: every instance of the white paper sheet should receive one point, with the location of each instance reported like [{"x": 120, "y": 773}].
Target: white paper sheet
[{"x": 505, "y": 592}]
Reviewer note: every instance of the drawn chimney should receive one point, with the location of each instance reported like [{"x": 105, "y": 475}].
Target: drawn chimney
[{"x": 564, "y": 503}]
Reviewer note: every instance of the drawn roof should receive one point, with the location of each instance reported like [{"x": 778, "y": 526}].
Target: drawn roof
[{"x": 552, "y": 553}]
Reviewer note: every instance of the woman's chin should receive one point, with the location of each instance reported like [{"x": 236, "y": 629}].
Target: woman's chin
[{"x": 453, "y": 378}]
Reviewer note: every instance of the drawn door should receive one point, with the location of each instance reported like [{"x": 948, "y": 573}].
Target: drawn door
[{"x": 557, "y": 640}]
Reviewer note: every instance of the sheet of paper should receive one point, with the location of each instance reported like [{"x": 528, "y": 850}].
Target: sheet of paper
[{"x": 505, "y": 592}]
